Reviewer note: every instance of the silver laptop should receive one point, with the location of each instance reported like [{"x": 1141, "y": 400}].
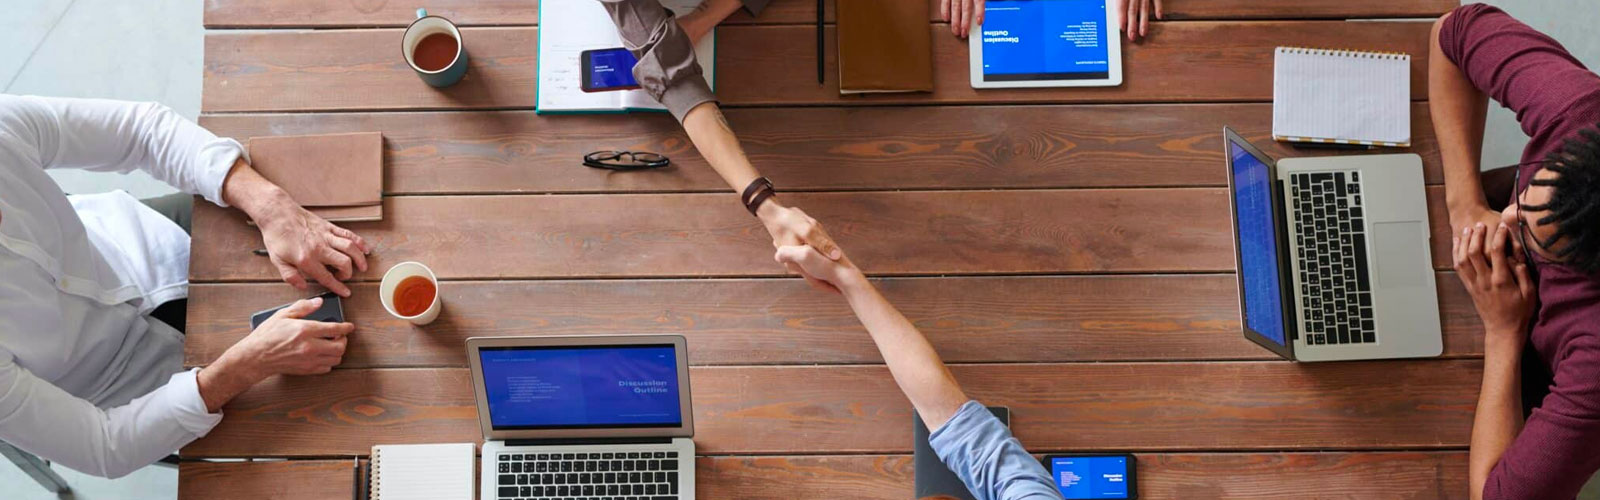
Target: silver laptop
[
  {"x": 584, "y": 417},
  {"x": 1333, "y": 255}
]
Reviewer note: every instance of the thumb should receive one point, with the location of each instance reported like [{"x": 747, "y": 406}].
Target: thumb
[{"x": 300, "y": 308}]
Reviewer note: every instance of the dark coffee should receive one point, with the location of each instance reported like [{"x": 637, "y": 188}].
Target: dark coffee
[{"x": 435, "y": 52}]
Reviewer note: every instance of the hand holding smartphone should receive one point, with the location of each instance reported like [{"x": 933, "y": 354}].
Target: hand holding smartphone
[{"x": 332, "y": 311}]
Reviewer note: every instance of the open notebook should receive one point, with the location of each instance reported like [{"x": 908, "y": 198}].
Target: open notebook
[
  {"x": 566, "y": 29},
  {"x": 1341, "y": 96},
  {"x": 423, "y": 472}
]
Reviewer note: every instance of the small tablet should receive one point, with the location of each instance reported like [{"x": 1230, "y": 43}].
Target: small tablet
[
  {"x": 1046, "y": 43},
  {"x": 1094, "y": 476}
]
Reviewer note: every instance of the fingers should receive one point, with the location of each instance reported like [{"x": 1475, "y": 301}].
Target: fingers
[
  {"x": 1144, "y": 18},
  {"x": 966, "y": 22},
  {"x": 1158, "y": 9},
  {"x": 299, "y": 309},
  {"x": 351, "y": 249},
  {"x": 1480, "y": 267},
  {"x": 324, "y": 330},
  {"x": 343, "y": 267},
  {"x": 819, "y": 239},
  {"x": 944, "y": 10},
  {"x": 958, "y": 17},
  {"x": 977, "y": 15},
  {"x": 1129, "y": 13},
  {"x": 318, "y": 272},
  {"x": 289, "y": 273},
  {"x": 797, "y": 254},
  {"x": 362, "y": 243},
  {"x": 1496, "y": 248},
  {"x": 1458, "y": 258}
]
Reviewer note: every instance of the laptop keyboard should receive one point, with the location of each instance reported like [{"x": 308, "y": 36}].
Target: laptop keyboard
[
  {"x": 1331, "y": 247},
  {"x": 589, "y": 476}
]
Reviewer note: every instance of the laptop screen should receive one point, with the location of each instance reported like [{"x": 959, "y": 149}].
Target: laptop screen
[
  {"x": 1258, "y": 247},
  {"x": 578, "y": 387}
]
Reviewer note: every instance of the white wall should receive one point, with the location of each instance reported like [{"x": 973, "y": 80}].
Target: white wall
[
  {"x": 144, "y": 50},
  {"x": 1576, "y": 24}
]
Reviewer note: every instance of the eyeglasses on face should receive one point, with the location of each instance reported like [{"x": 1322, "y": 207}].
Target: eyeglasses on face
[{"x": 1522, "y": 228}]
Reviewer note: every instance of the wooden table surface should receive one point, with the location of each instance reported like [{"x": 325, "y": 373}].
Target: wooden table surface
[{"x": 1067, "y": 250}]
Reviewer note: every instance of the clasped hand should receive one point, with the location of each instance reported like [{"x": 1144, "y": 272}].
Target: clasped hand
[
  {"x": 792, "y": 227},
  {"x": 1498, "y": 283}
]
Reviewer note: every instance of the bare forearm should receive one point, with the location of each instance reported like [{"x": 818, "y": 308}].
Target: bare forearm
[
  {"x": 224, "y": 379},
  {"x": 248, "y": 191},
  {"x": 1458, "y": 109},
  {"x": 715, "y": 140},
  {"x": 916, "y": 367},
  {"x": 1498, "y": 418}
]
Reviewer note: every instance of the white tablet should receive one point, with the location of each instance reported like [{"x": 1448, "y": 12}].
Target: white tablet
[{"x": 1046, "y": 43}]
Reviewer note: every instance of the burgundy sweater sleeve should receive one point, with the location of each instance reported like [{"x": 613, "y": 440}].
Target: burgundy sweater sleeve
[
  {"x": 1521, "y": 68},
  {"x": 1554, "y": 454}
]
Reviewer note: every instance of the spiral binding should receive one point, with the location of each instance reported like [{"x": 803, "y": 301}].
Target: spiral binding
[
  {"x": 1361, "y": 54},
  {"x": 374, "y": 476}
]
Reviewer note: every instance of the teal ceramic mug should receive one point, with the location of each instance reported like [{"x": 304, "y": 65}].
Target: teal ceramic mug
[{"x": 433, "y": 47}]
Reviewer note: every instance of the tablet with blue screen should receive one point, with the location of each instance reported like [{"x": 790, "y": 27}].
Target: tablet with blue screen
[
  {"x": 1094, "y": 476},
  {"x": 1046, "y": 43}
]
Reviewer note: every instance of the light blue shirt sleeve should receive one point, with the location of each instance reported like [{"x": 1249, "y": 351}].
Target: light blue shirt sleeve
[{"x": 982, "y": 452}]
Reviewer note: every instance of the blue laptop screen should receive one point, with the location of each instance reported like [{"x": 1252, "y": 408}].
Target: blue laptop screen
[
  {"x": 1045, "y": 40},
  {"x": 1258, "y": 247},
  {"x": 570, "y": 387}
]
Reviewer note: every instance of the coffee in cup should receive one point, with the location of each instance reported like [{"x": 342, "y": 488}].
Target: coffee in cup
[
  {"x": 410, "y": 291},
  {"x": 432, "y": 47}
]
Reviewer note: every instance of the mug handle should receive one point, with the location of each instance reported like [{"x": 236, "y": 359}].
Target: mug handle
[{"x": 421, "y": 13}]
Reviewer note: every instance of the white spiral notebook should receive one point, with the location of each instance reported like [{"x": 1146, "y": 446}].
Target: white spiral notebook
[
  {"x": 1341, "y": 96},
  {"x": 423, "y": 472}
]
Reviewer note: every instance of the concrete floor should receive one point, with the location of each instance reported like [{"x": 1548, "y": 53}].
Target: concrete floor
[{"x": 152, "y": 50}]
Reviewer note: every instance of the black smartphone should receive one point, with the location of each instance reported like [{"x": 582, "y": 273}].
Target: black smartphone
[
  {"x": 332, "y": 311},
  {"x": 606, "y": 70},
  {"x": 1093, "y": 475}
]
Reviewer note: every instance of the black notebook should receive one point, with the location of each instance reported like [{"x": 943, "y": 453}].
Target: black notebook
[{"x": 932, "y": 477}]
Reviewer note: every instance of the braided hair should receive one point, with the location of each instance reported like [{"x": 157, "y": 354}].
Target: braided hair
[{"x": 1574, "y": 205}]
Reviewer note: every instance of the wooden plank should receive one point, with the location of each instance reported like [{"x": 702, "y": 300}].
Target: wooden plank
[
  {"x": 758, "y": 65},
  {"x": 857, "y": 409},
  {"x": 315, "y": 13},
  {"x": 1412, "y": 475},
  {"x": 748, "y": 322},
  {"x": 707, "y": 235},
  {"x": 698, "y": 235},
  {"x": 838, "y": 148}
]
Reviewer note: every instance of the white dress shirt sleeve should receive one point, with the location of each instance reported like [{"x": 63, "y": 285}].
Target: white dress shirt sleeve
[
  {"x": 43, "y": 419},
  {"x": 119, "y": 136}
]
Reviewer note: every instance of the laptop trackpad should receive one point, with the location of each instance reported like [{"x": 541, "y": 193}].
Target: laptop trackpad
[{"x": 1396, "y": 246}]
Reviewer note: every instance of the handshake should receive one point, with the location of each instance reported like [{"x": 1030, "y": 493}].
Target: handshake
[{"x": 804, "y": 248}]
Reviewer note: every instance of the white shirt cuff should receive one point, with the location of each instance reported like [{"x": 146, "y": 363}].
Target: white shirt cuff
[
  {"x": 188, "y": 408},
  {"x": 216, "y": 160}
]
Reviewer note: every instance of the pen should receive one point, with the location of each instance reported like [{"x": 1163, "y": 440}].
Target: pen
[
  {"x": 355, "y": 479},
  {"x": 820, "y": 7}
]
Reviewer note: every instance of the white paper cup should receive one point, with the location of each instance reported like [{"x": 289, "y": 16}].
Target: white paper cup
[{"x": 400, "y": 272}]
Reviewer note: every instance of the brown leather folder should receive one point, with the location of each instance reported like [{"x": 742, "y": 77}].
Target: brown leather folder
[
  {"x": 339, "y": 177},
  {"x": 884, "y": 46}
]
